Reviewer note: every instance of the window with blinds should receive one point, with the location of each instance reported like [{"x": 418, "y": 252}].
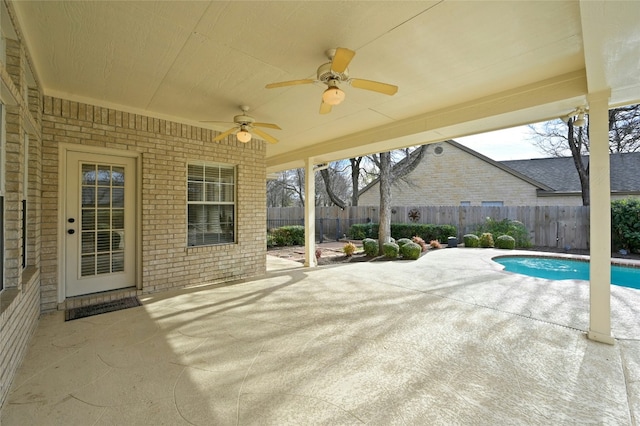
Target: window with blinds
[{"x": 211, "y": 204}]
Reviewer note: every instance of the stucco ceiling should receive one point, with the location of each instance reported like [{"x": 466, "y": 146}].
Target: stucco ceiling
[{"x": 461, "y": 67}]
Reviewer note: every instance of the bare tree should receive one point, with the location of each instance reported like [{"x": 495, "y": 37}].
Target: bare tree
[
  {"x": 333, "y": 188},
  {"x": 386, "y": 178},
  {"x": 556, "y": 137},
  {"x": 286, "y": 191},
  {"x": 389, "y": 173}
]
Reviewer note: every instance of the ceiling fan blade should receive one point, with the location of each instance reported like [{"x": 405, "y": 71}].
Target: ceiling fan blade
[
  {"x": 225, "y": 134},
  {"x": 267, "y": 137},
  {"x": 376, "y": 86},
  {"x": 289, "y": 83},
  {"x": 325, "y": 108},
  {"x": 341, "y": 59},
  {"x": 268, "y": 125}
]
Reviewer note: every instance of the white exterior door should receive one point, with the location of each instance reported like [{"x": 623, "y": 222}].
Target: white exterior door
[{"x": 100, "y": 236}]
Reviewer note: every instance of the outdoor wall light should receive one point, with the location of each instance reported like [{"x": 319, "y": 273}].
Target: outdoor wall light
[{"x": 578, "y": 122}]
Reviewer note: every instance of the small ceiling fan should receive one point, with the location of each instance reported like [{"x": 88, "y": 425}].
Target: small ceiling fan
[
  {"x": 332, "y": 74},
  {"x": 245, "y": 124}
]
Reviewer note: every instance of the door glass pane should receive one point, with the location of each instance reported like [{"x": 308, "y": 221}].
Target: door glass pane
[
  {"x": 102, "y": 239},
  {"x": 117, "y": 199}
]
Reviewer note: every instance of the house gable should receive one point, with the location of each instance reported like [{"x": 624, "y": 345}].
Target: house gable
[{"x": 451, "y": 174}]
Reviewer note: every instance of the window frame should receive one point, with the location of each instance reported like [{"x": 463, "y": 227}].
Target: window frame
[
  {"x": 3, "y": 168},
  {"x": 25, "y": 198},
  {"x": 195, "y": 238}
]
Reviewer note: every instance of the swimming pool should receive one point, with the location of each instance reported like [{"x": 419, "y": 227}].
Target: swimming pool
[{"x": 553, "y": 268}]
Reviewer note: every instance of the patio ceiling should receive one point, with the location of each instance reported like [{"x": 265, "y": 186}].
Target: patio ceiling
[{"x": 461, "y": 67}]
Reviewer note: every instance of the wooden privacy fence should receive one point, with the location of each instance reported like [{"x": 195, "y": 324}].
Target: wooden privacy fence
[{"x": 548, "y": 226}]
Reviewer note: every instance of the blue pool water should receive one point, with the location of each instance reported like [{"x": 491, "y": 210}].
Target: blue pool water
[{"x": 565, "y": 269}]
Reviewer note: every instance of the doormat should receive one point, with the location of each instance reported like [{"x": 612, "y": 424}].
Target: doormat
[{"x": 101, "y": 308}]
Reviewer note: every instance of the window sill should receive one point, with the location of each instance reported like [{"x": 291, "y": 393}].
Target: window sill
[
  {"x": 28, "y": 274},
  {"x": 211, "y": 247},
  {"x": 7, "y": 296}
]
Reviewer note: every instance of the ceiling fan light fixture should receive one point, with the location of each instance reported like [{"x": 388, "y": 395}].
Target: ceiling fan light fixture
[
  {"x": 243, "y": 136},
  {"x": 333, "y": 96}
]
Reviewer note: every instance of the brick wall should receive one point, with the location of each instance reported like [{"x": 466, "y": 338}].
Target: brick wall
[
  {"x": 456, "y": 176},
  {"x": 165, "y": 148},
  {"x": 20, "y": 298}
]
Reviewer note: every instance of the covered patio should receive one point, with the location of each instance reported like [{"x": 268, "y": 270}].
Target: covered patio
[
  {"x": 151, "y": 88},
  {"x": 381, "y": 343}
]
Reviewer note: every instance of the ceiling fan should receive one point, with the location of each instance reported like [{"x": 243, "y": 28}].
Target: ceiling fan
[
  {"x": 332, "y": 74},
  {"x": 245, "y": 124}
]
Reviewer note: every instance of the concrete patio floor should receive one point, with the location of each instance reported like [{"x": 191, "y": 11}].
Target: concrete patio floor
[{"x": 447, "y": 339}]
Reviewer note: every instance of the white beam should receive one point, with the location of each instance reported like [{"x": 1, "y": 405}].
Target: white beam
[
  {"x": 423, "y": 128},
  {"x": 309, "y": 214},
  {"x": 600, "y": 220}
]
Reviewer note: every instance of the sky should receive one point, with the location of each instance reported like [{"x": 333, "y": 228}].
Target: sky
[{"x": 502, "y": 145}]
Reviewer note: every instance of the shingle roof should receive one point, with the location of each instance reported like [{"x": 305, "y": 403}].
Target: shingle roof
[{"x": 561, "y": 175}]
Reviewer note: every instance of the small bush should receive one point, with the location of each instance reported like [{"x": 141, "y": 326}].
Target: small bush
[
  {"x": 486, "y": 240},
  {"x": 403, "y": 241},
  {"x": 471, "y": 240},
  {"x": 513, "y": 228},
  {"x": 505, "y": 242},
  {"x": 270, "y": 241},
  {"x": 349, "y": 249},
  {"x": 419, "y": 241},
  {"x": 318, "y": 253},
  {"x": 410, "y": 251},
  {"x": 435, "y": 244},
  {"x": 390, "y": 250},
  {"x": 288, "y": 236},
  {"x": 370, "y": 247}
]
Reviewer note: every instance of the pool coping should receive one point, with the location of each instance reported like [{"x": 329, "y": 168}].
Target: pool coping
[{"x": 630, "y": 263}]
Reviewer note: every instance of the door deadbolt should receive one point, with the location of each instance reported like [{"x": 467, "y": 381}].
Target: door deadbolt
[{"x": 71, "y": 231}]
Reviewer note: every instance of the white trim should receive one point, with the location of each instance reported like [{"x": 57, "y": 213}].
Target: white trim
[
  {"x": 219, "y": 165},
  {"x": 63, "y": 150}
]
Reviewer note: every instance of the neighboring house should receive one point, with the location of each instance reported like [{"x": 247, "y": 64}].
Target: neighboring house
[{"x": 452, "y": 174}]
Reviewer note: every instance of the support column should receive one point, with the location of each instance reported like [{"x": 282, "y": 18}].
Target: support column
[
  {"x": 600, "y": 220},
  {"x": 309, "y": 214}
]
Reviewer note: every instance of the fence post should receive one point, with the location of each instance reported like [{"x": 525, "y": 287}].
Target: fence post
[{"x": 321, "y": 230}]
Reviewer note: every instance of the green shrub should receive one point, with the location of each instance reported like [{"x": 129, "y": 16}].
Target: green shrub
[
  {"x": 270, "y": 241},
  {"x": 410, "y": 251},
  {"x": 390, "y": 250},
  {"x": 360, "y": 231},
  {"x": 403, "y": 241},
  {"x": 486, "y": 240},
  {"x": 370, "y": 247},
  {"x": 471, "y": 240},
  {"x": 288, "y": 236},
  {"x": 505, "y": 242},
  {"x": 425, "y": 231},
  {"x": 513, "y": 228},
  {"x": 625, "y": 224}
]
